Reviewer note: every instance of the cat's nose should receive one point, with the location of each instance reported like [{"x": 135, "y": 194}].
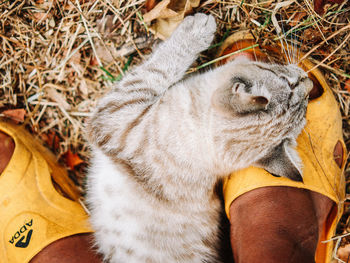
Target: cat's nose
[{"x": 309, "y": 85}]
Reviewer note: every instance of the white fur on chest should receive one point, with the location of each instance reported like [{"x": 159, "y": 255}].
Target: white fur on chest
[{"x": 123, "y": 217}]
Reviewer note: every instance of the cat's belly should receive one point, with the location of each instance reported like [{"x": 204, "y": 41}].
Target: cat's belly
[{"x": 131, "y": 228}]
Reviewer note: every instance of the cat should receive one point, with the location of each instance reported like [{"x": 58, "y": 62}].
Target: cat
[{"x": 160, "y": 142}]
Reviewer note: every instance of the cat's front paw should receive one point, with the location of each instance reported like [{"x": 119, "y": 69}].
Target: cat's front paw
[{"x": 198, "y": 31}]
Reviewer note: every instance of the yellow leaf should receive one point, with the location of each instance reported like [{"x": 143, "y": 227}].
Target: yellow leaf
[
  {"x": 160, "y": 11},
  {"x": 169, "y": 14}
]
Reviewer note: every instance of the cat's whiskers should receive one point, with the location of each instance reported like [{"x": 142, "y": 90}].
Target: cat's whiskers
[
  {"x": 294, "y": 43},
  {"x": 284, "y": 49},
  {"x": 299, "y": 51},
  {"x": 291, "y": 48},
  {"x": 298, "y": 46},
  {"x": 256, "y": 58},
  {"x": 287, "y": 45}
]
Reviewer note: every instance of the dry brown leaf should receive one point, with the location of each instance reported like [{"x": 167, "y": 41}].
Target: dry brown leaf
[
  {"x": 161, "y": 10},
  {"x": 75, "y": 58},
  {"x": 106, "y": 25},
  {"x": 169, "y": 14},
  {"x": 344, "y": 252},
  {"x": 320, "y": 5},
  {"x": 150, "y": 4},
  {"x": 103, "y": 53},
  {"x": 72, "y": 159},
  {"x": 16, "y": 115},
  {"x": 39, "y": 17},
  {"x": 296, "y": 19},
  {"x": 347, "y": 85},
  {"x": 44, "y": 4},
  {"x": 93, "y": 61},
  {"x": 51, "y": 139},
  {"x": 266, "y": 4},
  {"x": 83, "y": 87},
  {"x": 56, "y": 96}
]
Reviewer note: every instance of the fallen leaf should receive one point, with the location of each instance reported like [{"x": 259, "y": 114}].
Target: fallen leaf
[
  {"x": 266, "y": 4},
  {"x": 75, "y": 58},
  {"x": 325, "y": 53},
  {"x": 169, "y": 14},
  {"x": 72, "y": 159},
  {"x": 311, "y": 36},
  {"x": 150, "y": 4},
  {"x": 40, "y": 17},
  {"x": 44, "y": 4},
  {"x": 103, "y": 53},
  {"x": 93, "y": 61},
  {"x": 344, "y": 252},
  {"x": 296, "y": 19},
  {"x": 83, "y": 87},
  {"x": 56, "y": 96},
  {"x": 319, "y": 5},
  {"x": 51, "y": 139},
  {"x": 347, "y": 85},
  {"x": 161, "y": 10},
  {"x": 106, "y": 25},
  {"x": 16, "y": 115}
]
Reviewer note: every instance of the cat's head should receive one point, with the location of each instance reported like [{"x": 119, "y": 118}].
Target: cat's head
[{"x": 273, "y": 97}]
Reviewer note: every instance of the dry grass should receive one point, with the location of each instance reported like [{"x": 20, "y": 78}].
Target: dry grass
[{"x": 58, "y": 57}]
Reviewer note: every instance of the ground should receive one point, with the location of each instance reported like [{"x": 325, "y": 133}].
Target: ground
[{"x": 58, "y": 57}]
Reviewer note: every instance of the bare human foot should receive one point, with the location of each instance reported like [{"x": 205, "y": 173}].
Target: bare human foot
[
  {"x": 7, "y": 146},
  {"x": 278, "y": 224},
  {"x": 72, "y": 249}
]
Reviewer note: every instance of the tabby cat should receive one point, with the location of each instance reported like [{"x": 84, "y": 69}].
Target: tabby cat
[{"x": 160, "y": 143}]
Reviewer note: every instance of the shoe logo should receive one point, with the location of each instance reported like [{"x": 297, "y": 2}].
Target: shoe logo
[
  {"x": 24, "y": 235},
  {"x": 20, "y": 242}
]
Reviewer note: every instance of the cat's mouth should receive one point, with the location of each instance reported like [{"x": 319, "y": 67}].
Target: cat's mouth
[{"x": 269, "y": 54}]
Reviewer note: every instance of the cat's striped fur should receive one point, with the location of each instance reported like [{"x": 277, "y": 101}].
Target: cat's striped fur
[{"x": 161, "y": 142}]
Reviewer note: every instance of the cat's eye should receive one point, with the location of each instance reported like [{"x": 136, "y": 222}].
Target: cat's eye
[
  {"x": 301, "y": 79},
  {"x": 286, "y": 80},
  {"x": 240, "y": 84}
]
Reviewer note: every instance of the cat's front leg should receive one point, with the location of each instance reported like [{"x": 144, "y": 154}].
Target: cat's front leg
[
  {"x": 193, "y": 35},
  {"x": 171, "y": 59},
  {"x": 124, "y": 108}
]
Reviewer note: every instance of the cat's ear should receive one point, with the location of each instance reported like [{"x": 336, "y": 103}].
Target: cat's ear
[
  {"x": 237, "y": 100},
  {"x": 283, "y": 161}
]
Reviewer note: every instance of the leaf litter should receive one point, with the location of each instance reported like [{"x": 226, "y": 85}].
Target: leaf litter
[{"x": 58, "y": 57}]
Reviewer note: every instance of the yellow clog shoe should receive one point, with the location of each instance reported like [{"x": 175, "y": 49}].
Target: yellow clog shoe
[
  {"x": 33, "y": 213},
  {"x": 320, "y": 145}
]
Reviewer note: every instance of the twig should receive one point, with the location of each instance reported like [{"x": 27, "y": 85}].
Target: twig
[
  {"x": 336, "y": 71},
  {"x": 324, "y": 41},
  {"x": 335, "y": 50},
  {"x": 89, "y": 36},
  {"x": 225, "y": 56},
  {"x": 311, "y": 10},
  {"x": 72, "y": 54}
]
